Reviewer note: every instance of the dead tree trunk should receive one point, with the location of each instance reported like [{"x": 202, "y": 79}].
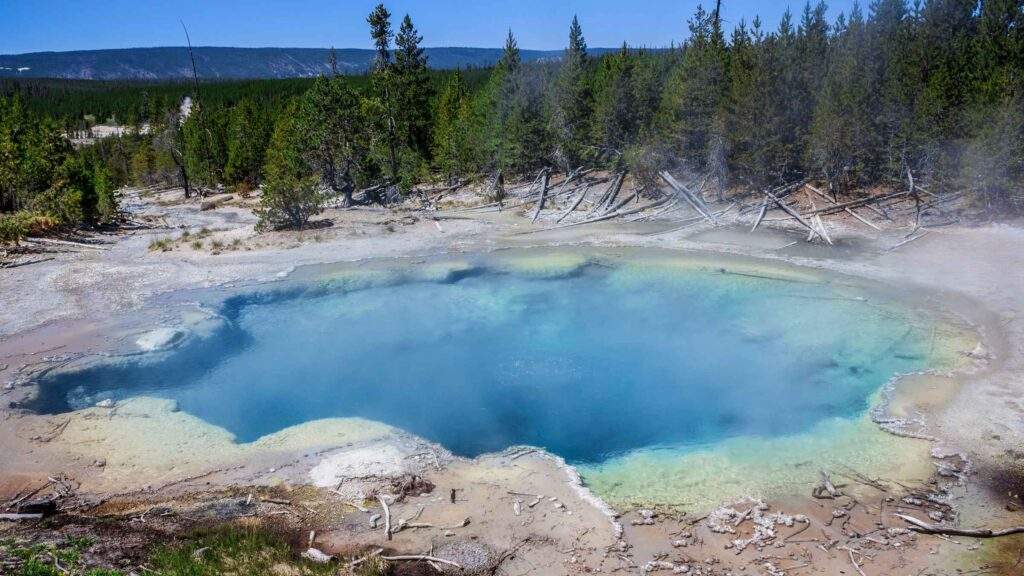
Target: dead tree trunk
[{"x": 545, "y": 178}]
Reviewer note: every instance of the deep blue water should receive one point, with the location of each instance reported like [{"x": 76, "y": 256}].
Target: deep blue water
[{"x": 590, "y": 365}]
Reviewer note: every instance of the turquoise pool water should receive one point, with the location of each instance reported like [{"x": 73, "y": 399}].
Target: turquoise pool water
[{"x": 596, "y": 363}]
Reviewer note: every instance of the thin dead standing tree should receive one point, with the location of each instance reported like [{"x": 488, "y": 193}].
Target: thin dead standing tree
[{"x": 174, "y": 123}]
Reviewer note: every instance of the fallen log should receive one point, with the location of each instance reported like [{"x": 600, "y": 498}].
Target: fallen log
[
  {"x": 909, "y": 240},
  {"x": 923, "y": 527},
  {"x": 615, "y": 184},
  {"x": 20, "y": 517},
  {"x": 215, "y": 201},
  {"x": 614, "y": 194},
  {"x": 689, "y": 222},
  {"x": 575, "y": 204},
  {"x": 359, "y": 561},
  {"x": 847, "y": 210},
  {"x": 91, "y": 246},
  {"x": 697, "y": 203},
  {"x": 792, "y": 213},
  {"x": 422, "y": 558},
  {"x": 671, "y": 206},
  {"x": 599, "y": 218},
  {"x": 869, "y": 201},
  {"x": 826, "y": 489},
  {"x": 822, "y": 231},
  {"x": 623, "y": 203},
  {"x": 8, "y": 265}
]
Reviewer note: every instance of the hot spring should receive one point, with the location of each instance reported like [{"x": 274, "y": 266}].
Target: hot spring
[{"x": 635, "y": 370}]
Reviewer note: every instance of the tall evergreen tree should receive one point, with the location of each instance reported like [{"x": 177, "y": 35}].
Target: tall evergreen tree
[
  {"x": 751, "y": 112},
  {"x": 843, "y": 140},
  {"x": 383, "y": 82},
  {"x": 492, "y": 107},
  {"x": 381, "y": 34},
  {"x": 248, "y": 132},
  {"x": 614, "y": 115},
  {"x": 451, "y": 146},
  {"x": 415, "y": 90},
  {"x": 690, "y": 118},
  {"x": 573, "y": 102}
]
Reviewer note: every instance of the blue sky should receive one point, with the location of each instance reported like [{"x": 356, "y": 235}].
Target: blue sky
[{"x": 38, "y": 25}]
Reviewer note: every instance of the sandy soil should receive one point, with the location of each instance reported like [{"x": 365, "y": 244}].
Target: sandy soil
[{"x": 527, "y": 512}]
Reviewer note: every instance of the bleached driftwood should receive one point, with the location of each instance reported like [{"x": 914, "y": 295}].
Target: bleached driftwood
[
  {"x": 575, "y": 204},
  {"x": 760, "y": 216},
  {"x": 387, "y": 516},
  {"x": 612, "y": 188},
  {"x": 926, "y": 528},
  {"x": 910, "y": 239},
  {"x": 422, "y": 558},
  {"x": 602, "y": 218},
  {"x": 359, "y": 561},
  {"x": 869, "y": 201},
  {"x": 792, "y": 213},
  {"x": 19, "y": 517},
  {"x": 826, "y": 489},
  {"x": 697, "y": 203},
  {"x": 846, "y": 209}
]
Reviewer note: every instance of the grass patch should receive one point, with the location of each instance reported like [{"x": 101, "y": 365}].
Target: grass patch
[
  {"x": 64, "y": 559},
  {"x": 242, "y": 551},
  {"x": 230, "y": 550},
  {"x": 161, "y": 245}
]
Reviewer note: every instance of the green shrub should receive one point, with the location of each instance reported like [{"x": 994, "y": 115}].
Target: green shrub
[
  {"x": 290, "y": 203},
  {"x": 14, "y": 227}
]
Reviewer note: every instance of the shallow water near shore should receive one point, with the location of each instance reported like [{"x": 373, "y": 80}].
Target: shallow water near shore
[{"x": 650, "y": 375}]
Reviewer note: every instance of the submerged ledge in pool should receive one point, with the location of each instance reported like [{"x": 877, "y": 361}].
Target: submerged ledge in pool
[{"x": 617, "y": 365}]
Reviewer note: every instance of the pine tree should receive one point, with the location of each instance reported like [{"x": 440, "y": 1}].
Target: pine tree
[
  {"x": 690, "y": 117},
  {"x": 492, "y": 106},
  {"x": 750, "y": 105},
  {"x": 998, "y": 51},
  {"x": 812, "y": 50},
  {"x": 380, "y": 31},
  {"x": 204, "y": 145},
  {"x": 843, "y": 139},
  {"x": 335, "y": 141},
  {"x": 291, "y": 192},
  {"x": 451, "y": 146},
  {"x": 573, "y": 102},
  {"x": 248, "y": 132},
  {"x": 614, "y": 116},
  {"x": 510, "y": 58},
  {"x": 527, "y": 140},
  {"x": 414, "y": 90},
  {"x": 384, "y": 106},
  {"x": 894, "y": 85}
]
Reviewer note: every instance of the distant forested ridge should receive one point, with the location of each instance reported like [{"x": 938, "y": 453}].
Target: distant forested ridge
[{"x": 222, "y": 63}]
